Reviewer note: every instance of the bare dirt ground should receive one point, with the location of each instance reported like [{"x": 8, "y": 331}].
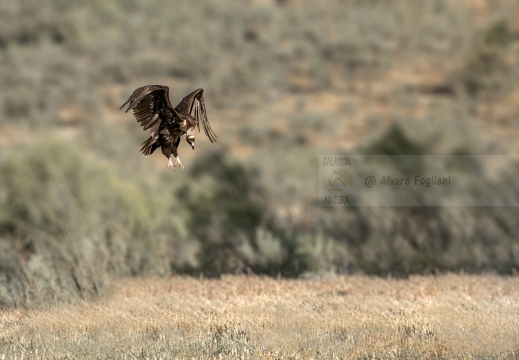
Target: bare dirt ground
[{"x": 447, "y": 316}]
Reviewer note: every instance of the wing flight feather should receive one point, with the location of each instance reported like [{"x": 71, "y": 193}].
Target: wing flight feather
[
  {"x": 194, "y": 105},
  {"x": 150, "y": 105}
]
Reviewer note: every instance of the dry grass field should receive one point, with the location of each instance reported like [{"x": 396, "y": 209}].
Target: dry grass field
[{"x": 446, "y": 316}]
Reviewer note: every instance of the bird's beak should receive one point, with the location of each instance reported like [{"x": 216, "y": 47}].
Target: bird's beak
[{"x": 193, "y": 146}]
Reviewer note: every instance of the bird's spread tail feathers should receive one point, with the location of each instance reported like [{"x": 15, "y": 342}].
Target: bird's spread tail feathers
[{"x": 149, "y": 146}]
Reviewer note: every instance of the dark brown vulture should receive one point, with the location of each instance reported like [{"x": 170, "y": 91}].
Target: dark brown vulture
[{"x": 153, "y": 110}]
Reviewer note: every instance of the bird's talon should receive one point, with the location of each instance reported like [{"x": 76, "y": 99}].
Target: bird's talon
[
  {"x": 171, "y": 165},
  {"x": 180, "y": 164}
]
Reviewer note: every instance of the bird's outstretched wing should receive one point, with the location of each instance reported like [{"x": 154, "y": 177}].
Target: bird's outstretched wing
[
  {"x": 194, "y": 105},
  {"x": 150, "y": 106}
]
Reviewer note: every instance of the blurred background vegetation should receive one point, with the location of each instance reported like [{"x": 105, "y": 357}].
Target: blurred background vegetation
[{"x": 285, "y": 81}]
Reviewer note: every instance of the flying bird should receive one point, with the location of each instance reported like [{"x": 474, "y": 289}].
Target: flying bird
[{"x": 152, "y": 109}]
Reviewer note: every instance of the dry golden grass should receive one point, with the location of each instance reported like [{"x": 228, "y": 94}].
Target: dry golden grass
[{"x": 448, "y": 316}]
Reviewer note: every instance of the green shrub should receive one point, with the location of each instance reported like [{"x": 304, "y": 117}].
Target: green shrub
[
  {"x": 487, "y": 69},
  {"x": 224, "y": 210},
  {"x": 67, "y": 221},
  {"x": 405, "y": 240}
]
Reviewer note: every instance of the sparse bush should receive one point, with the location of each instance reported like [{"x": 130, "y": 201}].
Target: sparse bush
[
  {"x": 488, "y": 69},
  {"x": 224, "y": 211},
  {"x": 405, "y": 240},
  {"x": 67, "y": 221}
]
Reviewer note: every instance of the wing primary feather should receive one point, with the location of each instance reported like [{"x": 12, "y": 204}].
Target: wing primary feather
[
  {"x": 139, "y": 113},
  {"x": 151, "y": 122},
  {"x": 155, "y": 128},
  {"x": 127, "y": 101},
  {"x": 147, "y": 103},
  {"x": 194, "y": 105},
  {"x": 145, "y": 121},
  {"x": 200, "y": 110}
]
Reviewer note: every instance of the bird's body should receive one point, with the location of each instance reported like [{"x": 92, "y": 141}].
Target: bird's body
[{"x": 153, "y": 110}]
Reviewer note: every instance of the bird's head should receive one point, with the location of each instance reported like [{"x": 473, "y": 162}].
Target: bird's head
[{"x": 191, "y": 140}]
